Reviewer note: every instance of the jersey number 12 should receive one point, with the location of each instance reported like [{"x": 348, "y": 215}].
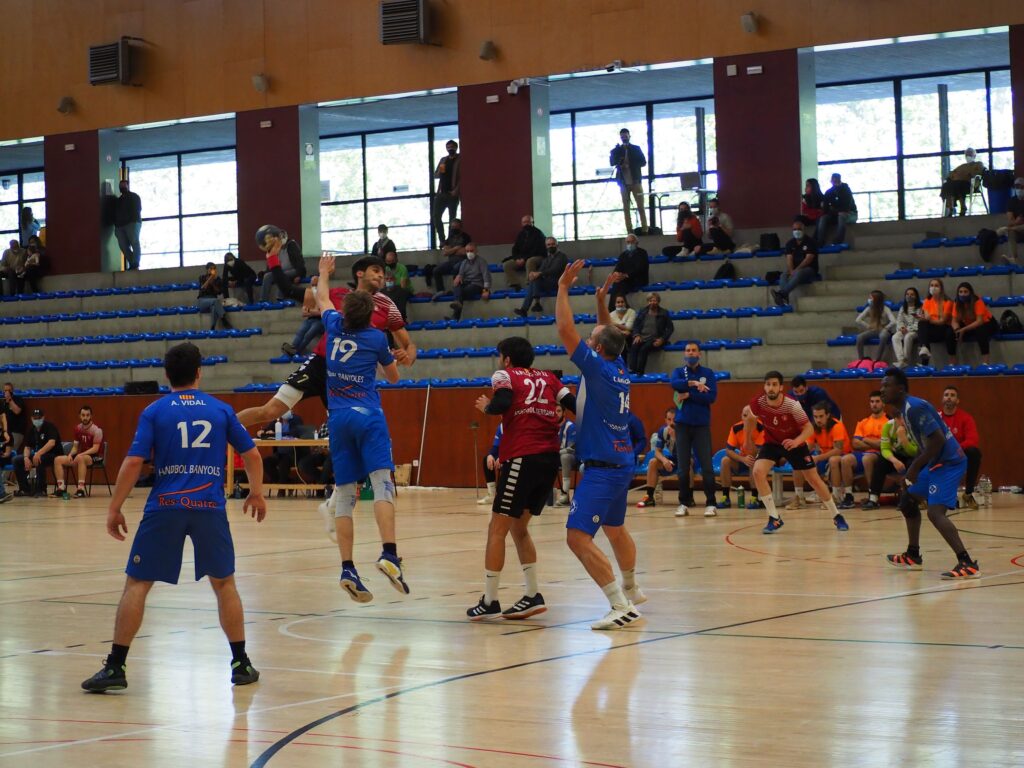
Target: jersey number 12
[{"x": 200, "y": 439}]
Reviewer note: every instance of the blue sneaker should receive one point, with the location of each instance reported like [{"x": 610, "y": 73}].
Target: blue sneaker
[
  {"x": 725, "y": 503},
  {"x": 840, "y": 522},
  {"x": 755, "y": 504},
  {"x": 774, "y": 523},
  {"x": 352, "y": 584},
  {"x": 391, "y": 566}
]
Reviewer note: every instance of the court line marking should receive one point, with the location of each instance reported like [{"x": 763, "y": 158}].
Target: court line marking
[{"x": 867, "y": 642}]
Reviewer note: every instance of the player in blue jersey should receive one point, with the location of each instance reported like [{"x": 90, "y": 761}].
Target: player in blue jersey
[
  {"x": 359, "y": 440},
  {"x": 934, "y": 475},
  {"x": 185, "y": 434},
  {"x": 604, "y": 447}
]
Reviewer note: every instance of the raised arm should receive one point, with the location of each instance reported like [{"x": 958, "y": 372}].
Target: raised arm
[
  {"x": 323, "y": 285},
  {"x": 604, "y": 316},
  {"x": 563, "y": 309}
]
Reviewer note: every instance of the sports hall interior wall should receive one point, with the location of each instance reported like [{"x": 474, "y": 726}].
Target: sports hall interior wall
[
  {"x": 995, "y": 402},
  {"x": 197, "y": 58}
]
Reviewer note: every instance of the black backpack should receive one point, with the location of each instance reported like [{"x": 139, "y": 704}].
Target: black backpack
[
  {"x": 987, "y": 242},
  {"x": 769, "y": 241},
  {"x": 1010, "y": 323},
  {"x": 726, "y": 272}
]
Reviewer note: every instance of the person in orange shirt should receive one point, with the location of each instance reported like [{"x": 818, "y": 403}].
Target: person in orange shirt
[
  {"x": 935, "y": 325},
  {"x": 971, "y": 321},
  {"x": 867, "y": 444},
  {"x": 737, "y": 461},
  {"x": 829, "y": 442}
]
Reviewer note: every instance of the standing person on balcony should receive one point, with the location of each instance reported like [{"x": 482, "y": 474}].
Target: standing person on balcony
[
  {"x": 839, "y": 210},
  {"x": 628, "y": 159},
  {"x": 449, "y": 178},
  {"x": 128, "y": 225}
]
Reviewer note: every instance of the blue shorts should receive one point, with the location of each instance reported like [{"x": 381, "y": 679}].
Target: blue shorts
[
  {"x": 662, "y": 472},
  {"x": 600, "y": 498},
  {"x": 359, "y": 443},
  {"x": 859, "y": 456},
  {"x": 938, "y": 484},
  {"x": 159, "y": 543},
  {"x": 822, "y": 467},
  {"x": 738, "y": 467}
]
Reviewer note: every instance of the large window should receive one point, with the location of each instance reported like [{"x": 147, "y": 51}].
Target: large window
[
  {"x": 20, "y": 190},
  {"x": 189, "y": 206}
]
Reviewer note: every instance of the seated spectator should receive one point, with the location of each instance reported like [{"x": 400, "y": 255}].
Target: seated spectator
[
  {"x": 810, "y": 395},
  {"x": 6, "y": 457},
  {"x": 897, "y": 452},
  {"x": 238, "y": 275},
  {"x": 904, "y": 338},
  {"x": 491, "y": 466},
  {"x": 867, "y": 445},
  {"x": 311, "y": 328},
  {"x": 543, "y": 281},
  {"x": 812, "y": 202},
  {"x": 12, "y": 268},
  {"x": 566, "y": 454},
  {"x": 383, "y": 245},
  {"x": 878, "y": 323},
  {"x": 839, "y": 210},
  {"x": 397, "y": 285},
  {"x": 936, "y": 316},
  {"x": 688, "y": 232},
  {"x": 652, "y": 330},
  {"x": 962, "y": 425},
  {"x": 86, "y": 448},
  {"x": 16, "y": 415},
  {"x": 453, "y": 251},
  {"x": 527, "y": 252},
  {"x": 42, "y": 446},
  {"x": 286, "y": 273},
  {"x": 801, "y": 253},
  {"x": 632, "y": 270},
  {"x": 738, "y": 462},
  {"x": 957, "y": 185},
  {"x": 829, "y": 442},
  {"x": 971, "y": 321},
  {"x": 209, "y": 299},
  {"x": 1014, "y": 229},
  {"x": 720, "y": 231},
  {"x": 660, "y": 459},
  {"x": 35, "y": 264},
  {"x": 472, "y": 281},
  {"x": 277, "y": 465},
  {"x": 623, "y": 316}
]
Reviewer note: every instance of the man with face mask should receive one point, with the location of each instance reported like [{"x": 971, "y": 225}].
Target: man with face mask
[
  {"x": 652, "y": 330},
  {"x": 237, "y": 274},
  {"x": 449, "y": 178},
  {"x": 397, "y": 285},
  {"x": 527, "y": 252},
  {"x": 128, "y": 225},
  {"x": 1014, "y": 229},
  {"x": 958, "y": 184},
  {"x": 631, "y": 271},
  {"x": 209, "y": 299},
  {"x": 383, "y": 243},
  {"x": 801, "y": 262},
  {"x": 628, "y": 159},
  {"x": 42, "y": 446},
  {"x": 453, "y": 251},
  {"x": 544, "y": 279},
  {"x": 473, "y": 281},
  {"x": 285, "y": 266},
  {"x": 87, "y": 448},
  {"x": 12, "y": 266},
  {"x": 696, "y": 391}
]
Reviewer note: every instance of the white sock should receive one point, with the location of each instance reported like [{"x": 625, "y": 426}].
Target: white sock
[
  {"x": 60, "y": 485},
  {"x": 616, "y": 598},
  {"x": 872, "y": 497},
  {"x": 491, "y": 489},
  {"x": 629, "y": 579},
  {"x": 565, "y": 485},
  {"x": 799, "y": 493},
  {"x": 844, "y": 490},
  {"x": 769, "y": 504},
  {"x": 492, "y": 581},
  {"x": 831, "y": 506},
  {"x": 530, "y": 578}
]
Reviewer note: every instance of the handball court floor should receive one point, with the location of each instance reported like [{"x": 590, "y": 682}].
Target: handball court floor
[{"x": 803, "y": 648}]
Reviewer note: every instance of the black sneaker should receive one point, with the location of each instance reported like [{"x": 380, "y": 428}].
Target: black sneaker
[
  {"x": 242, "y": 672},
  {"x": 520, "y": 312},
  {"x": 847, "y": 502},
  {"x": 482, "y": 611},
  {"x": 536, "y": 307},
  {"x": 289, "y": 350},
  {"x": 58, "y": 493},
  {"x": 526, "y": 607},
  {"x": 227, "y": 323},
  {"x": 80, "y": 493},
  {"x": 6, "y": 497},
  {"x": 964, "y": 569},
  {"x": 110, "y": 678},
  {"x": 869, "y": 504}
]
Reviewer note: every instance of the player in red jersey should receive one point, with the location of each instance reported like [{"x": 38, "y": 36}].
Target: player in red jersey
[
  {"x": 87, "y": 448},
  {"x": 786, "y": 430},
  {"x": 529, "y": 455}
]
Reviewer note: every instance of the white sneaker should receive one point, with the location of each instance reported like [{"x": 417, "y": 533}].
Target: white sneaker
[
  {"x": 812, "y": 497},
  {"x": 488, "y": 499},
  {"x": 635, "y": 595},
  {"x": 617, "y": 618},
  {"x": 710, "y": 511},
  {"x": 328, "y": 517},
  {"x": 562, "y": 499},
  {"x": 797, "y": 502},
  {"x": 682, "y": 511}
]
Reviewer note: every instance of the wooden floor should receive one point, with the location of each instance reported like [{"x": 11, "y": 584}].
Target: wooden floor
[{"x": 798, "y": 649}]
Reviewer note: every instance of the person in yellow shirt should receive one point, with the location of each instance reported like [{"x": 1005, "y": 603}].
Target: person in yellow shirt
[
  {"x": 829, "y": 442},
  {"x": 867, "y": 443}
]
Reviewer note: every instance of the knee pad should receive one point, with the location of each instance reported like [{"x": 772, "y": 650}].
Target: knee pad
[
  {"x": 908, "y": 506},
  {"x": 383, "y": 486},
  {"x": 344, "y": 500}
]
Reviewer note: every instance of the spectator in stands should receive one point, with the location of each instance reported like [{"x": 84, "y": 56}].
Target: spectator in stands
[
  {"x": 566, "y": 454},
  {"x": 697, "y": 390},
  {"x": 277, "y": 465},
  {"x": 809, "y": 395},
  {"x": 688, "y": 232},
  {"x": 86, "y": 448},
  {"x": 473, "y": 281},
  {"x": 839, "y": 209},
  {"x": 934, "y": 325},
  {"x": 738, "y": 462},
  {"x": 652, "y": 330},
  {"x": 209, "y": 299},
  {"x": 42, "y": 445},
  {"x": 449, "y": 176},
  {"x": 13, "y": 409},
  {"x": 1014, "y": 229},
  {"x": 878, "y": 323},
  {"x": 383, "y": 244},
  {"x": 128, "y": 225},
  {"x": 660, "y": 459},
  {"x": 971, "y": 321},
  {"x": 238, "y": 274},
  {"x": 801, "y": 253},
  {"x": 897, "y": 452},
  {"x": 965, "y": 430},
  {"x": 867, "y": 445},
  {"x": 632, "y": 270},
  {"x": 628, "y": 159},
  {"x": 904, "y": 338},
  {"x": 812, "y": 202},
  {"x": 720, "y": 231},
  {"x": 12, "y": 267},
  {"x": 453, "y": 249},
  {"x": 29, "y": 227},
  {"x": 623, "y": 317},
  {"x": 543, "y": 281},
  {"x": 528, "y": 251},
  {"x": 35, "y": 264},
  {"x": 830, "y": 443},
  {"x": 285, "y": 273},
  {"x": 311, "y": 328},
  {"x": 397, "y": 285},
  {"x": 958, "y": 184}
]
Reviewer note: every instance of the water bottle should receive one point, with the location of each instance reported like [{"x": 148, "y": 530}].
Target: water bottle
[
  {"x": 278, "y": 430},
  {"x": 740, "y": 497},
  {"x": 985, "y": 487}
]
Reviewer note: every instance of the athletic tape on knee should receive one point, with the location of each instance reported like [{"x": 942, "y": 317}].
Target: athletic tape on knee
[
  {"x": 344, "y": 500},
  {"x": 383, "y": 487}
]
